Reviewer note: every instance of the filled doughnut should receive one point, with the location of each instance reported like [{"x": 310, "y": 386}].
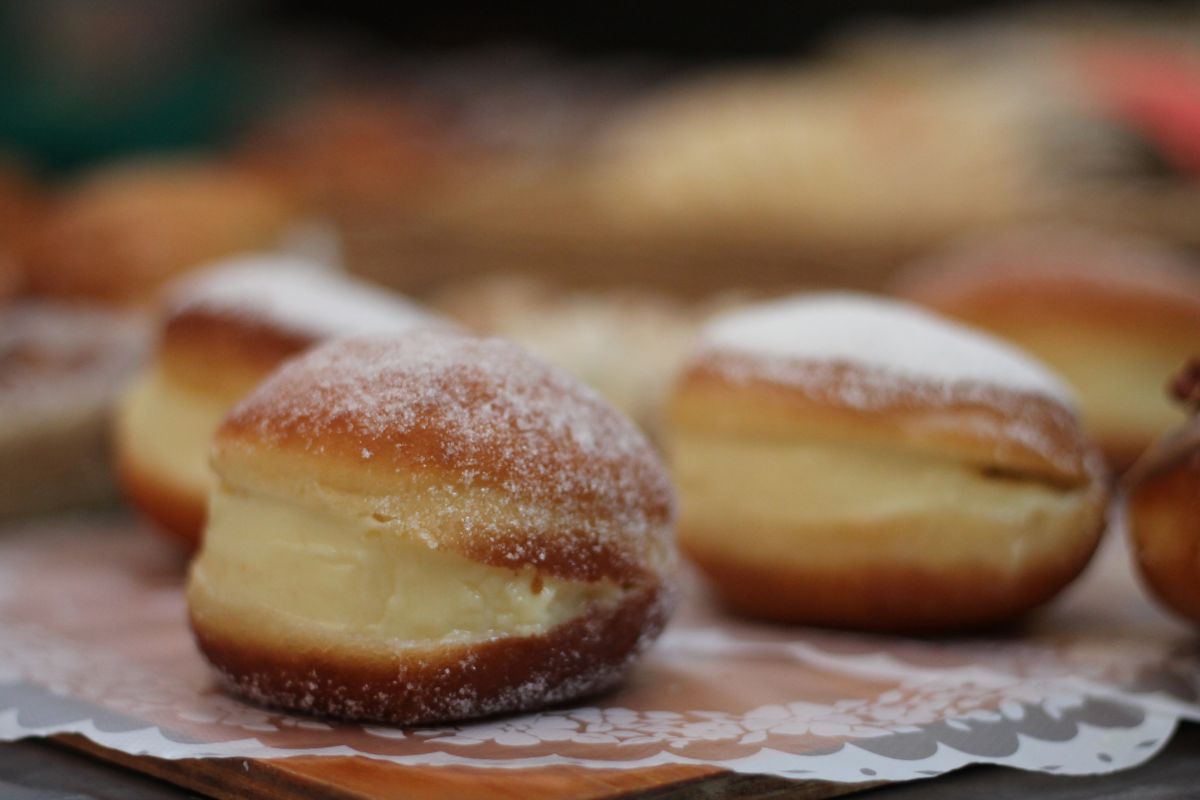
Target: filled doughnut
[
  {"x": 224, "y": 331},
  {"x": 61, "y": 370},
  {"x": 1163, "y": 492},
  {"x": 1115, "y": 317},
  {"x": 123, "y": 233},
  {"x": 429, "y": 527},
  {"x": 855, "y": 462}
]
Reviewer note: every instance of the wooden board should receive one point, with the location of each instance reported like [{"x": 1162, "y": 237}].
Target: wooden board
[{"x": 330, "y": 778}]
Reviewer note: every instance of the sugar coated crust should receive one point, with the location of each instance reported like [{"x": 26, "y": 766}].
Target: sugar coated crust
[
  {"x": 224, "y": 330},
  {"x": 912, "y": 475},
  {"x": 579, "y": 491},
  {"x": 460, "y": 445}
]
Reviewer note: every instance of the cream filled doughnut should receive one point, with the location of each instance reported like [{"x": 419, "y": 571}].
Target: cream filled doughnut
[
  {"x": 429, "y": 527},
  {"x": 1115, "y": 317},
  {"x": 1163, "y": 492},
  {"x": 850, "y": 461},
  {"x": 224, "y": 331}
]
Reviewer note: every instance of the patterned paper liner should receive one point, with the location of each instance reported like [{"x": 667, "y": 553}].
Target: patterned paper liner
[{"x": 93, "y": 641}]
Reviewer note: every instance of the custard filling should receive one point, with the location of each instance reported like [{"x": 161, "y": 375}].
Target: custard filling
[
  {"x": 1119, "y": 382},
  {"x": 167, "y": 431},
  {"x": 814, "y": 500},
  {"x": 275, "y": 562}
]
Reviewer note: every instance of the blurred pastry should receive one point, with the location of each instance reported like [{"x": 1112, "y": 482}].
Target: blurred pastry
[
  {"x": 224, "y": 331},
  {"x": 1115, "y": 317},
  {"x": 856, "y": 160},
  {"x": 60, "y": 371},
  {"x": 12, "y": 278},
  {"x": 625, "y": 344},
  {"x": 121, "y": 234},
  {"x": 473, "y": 532},
  {"x": 21, "y": 207},
  {"x": 854, "y": 462},
  {"x": 354, "y": 147},
  {"x": 1163, "y": 491}
]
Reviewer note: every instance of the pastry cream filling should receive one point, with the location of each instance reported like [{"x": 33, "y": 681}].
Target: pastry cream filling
[
  {"x": 274, "y": 562},
  {"x": 167, "y": 430},
  {"x": 1119, "y": 382},
  {"x": 808, "y": 501}
]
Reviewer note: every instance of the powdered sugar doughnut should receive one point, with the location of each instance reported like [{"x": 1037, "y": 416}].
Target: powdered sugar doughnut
[
  {"x": 1116, "y": 317},
  {"x": 429, "y": 527},
  {"x": 223, "y": 332},
  {"x": 849, "y": 461}
]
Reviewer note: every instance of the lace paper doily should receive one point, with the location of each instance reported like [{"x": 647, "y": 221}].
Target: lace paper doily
[{"x": 93, "y": 641}]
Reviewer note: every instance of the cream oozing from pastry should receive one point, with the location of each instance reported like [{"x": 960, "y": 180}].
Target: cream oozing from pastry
[
  {"x": 167, "y": 430},
  {"x": 290, "y": 566},
  {"x": 826, "y": 501}
]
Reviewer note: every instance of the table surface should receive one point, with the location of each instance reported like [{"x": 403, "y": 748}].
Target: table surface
[{"x": 39, "y": 770}]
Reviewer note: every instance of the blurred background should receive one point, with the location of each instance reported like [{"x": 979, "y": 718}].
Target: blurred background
[
  {"x": 806, "y": 144},
  {"x": 595, "y": 184}
]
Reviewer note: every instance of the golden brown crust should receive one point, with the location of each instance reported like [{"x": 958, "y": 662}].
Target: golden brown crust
[
  {"x": 213, "y": 357},
  {"x": 119, "y": 236},
  {"x": 890, "y": 597},
  {"x": 1109, "y": 314},
  {"x": 1164, "y": 523},
  {"x": 412, "y": 686},
  {"x": 993, "y": 428},
  {"x": 457, "y": 443},
  {"x": 1121, "y": 452},
  {"x": 232, "y": 324},
  {"x": 176, "y": 512},
  {"x": 1028, "y": 299},
  {"x": 980, "y": 497},
  {"x": 224, "y": 354},
  {"x": 1109, "y": 284},
  {"x": 224, "y": 331},
  {"x": 581, "y": 491},
  {"x": 1163, "y": 491}
]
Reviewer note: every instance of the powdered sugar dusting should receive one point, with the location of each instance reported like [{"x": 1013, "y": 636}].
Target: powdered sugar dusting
[
  {"x": 442, "y": 684},
  {"x": 476, "y": 413},
  {"x": 483, "y": 413},
  {"x": 298, "y": 297},
  {"x": 887, "y": 339}
]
